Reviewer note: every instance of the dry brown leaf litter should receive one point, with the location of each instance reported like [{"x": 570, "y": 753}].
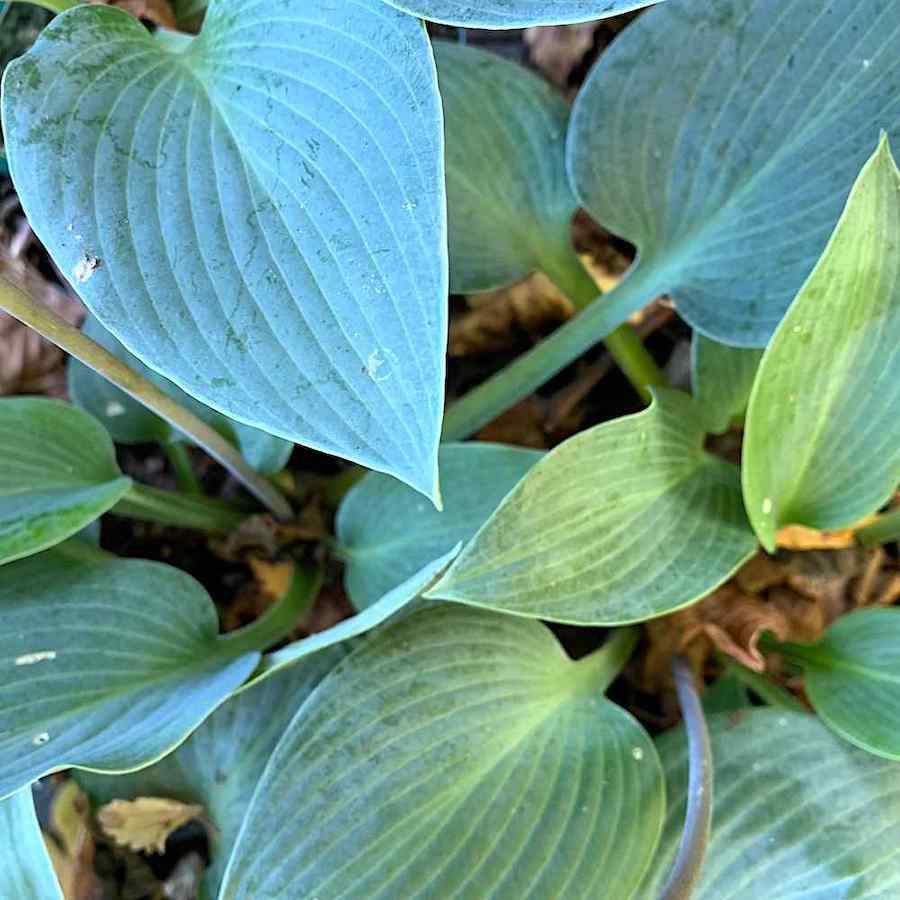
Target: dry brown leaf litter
[{"x": 144, "y": 824}]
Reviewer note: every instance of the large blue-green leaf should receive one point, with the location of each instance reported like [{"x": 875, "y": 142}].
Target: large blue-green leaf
[
  {"x": 516, "y": 13},
  {"x": 257, "y": 213},
  {"x": 509, "y": 203},
  {"x": 26, "y": 872},
  {"x": 798, "y": 814},
  {"x": 822, "y": 447},
  {"x": 58, "y": 473},
  {"x": 130, "y": 422},
  {"x": 626, "y": 521},
  {"x": 456, "y": 754},
  {"x": 107, "y": 665},
  {"x": 387, "y": 532},
  {"x": 219, "y": 765},
  {"x": 722, "y": 137}
]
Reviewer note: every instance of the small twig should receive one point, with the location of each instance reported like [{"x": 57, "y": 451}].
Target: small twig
[
  {"x": 685, "y": 874},
  {"x": 18, "y": 303}
]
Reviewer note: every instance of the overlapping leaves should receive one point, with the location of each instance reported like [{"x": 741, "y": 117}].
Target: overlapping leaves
[
  {"x": 627, "y": 520},
  {"x": 457, "y": 753},
  {"x": 723, "y": 137},
  {"x": 258, "y": 213},
  {"x": 822, "y": 446}
]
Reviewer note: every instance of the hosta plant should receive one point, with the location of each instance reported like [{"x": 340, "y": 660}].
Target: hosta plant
[{"x": 263, "y": 215}]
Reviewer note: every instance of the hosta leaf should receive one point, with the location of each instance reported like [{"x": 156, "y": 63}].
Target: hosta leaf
[
  {"x": 515, "y": 13},
  {"x": 58, "y": 474},
  {"x": 25, "y": 869},
  {"x": 728, "y": 161},
  {"x": 853, "y": 678},
  {"x": 219, "y": 765},
  {"x": 789, "y": 800},
  {"x": 625, "y": 521},
  {"x": 822, "y": 446},
  {"x": 107, "y": 665},
  {"x": 457, "y": 754},
  {"x": 130, "y": 422},
  {"x": 258, "y": 213},
  {"x": 508, "y": 198},
  {"x": 387, "y": 532},
  {"x": 721, "y": 380},
  {"x": 393, "y": 605}
]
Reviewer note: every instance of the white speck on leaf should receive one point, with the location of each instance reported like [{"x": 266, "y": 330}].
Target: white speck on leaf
[
  {"x": 40, "y": 739},
  {"x": 767, "y": 506},
  {"x": 637, "y": 753},
  {"x": 867, "y": 63},
  {"x": 85, "y": 267},
  {"x": 113, "y": 409},
  {"x": 29, "y": 659},
  {"x": 380, "y": 365}
]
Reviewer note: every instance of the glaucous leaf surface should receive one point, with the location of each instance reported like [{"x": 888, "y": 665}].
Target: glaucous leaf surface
[
  {"x": 387, "y": 532},
  {"x": 26, "y": 872},
  {"x": 456, "y": 754},
  {"x": 219, "y": 765},
  {"x": 516, "y": 13},
  {"x": 721, "y": 380},
  {"x": 853, "y": 678},
  {"x": 393, "y": 605},
  {"x": 822, "y": 443},
  {"x": 107, "y": 665},
  {"x": 626, "y": 521},
  {"x": 130, "y": 422},
  {"x": 723, "y": 137},
  {"x": 790, "y": 798},
  {"x": 258, "y": 213},
  {"x": 509, "y": 203},
  {"x": 58, "y": 474}
]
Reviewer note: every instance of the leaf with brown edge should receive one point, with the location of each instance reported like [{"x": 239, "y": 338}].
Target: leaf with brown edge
[{"x": 145, "y": 824}]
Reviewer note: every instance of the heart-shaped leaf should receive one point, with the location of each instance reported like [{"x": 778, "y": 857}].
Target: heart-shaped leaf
[
  {"x": 393, "y": 605},
  {"x": 108, "y": 664},
  {"x": 509, "y": 202},
  {"x": 623, "y": 522},
  {"x": 516, "y": 13},
  {"x": 387, "y": 532},
  {"x": 721, "y": 381},
  {"x": 25, "y": 869},
  {"x": 822, "y": 446},
  {"x": 789, "y": 801},
  {"x": 258, "y": 213},
  {"x": 219, "y": 765},
  {"x": 728, "y": 159},
  {"x": 130, "y": 422},
  {"x": 59, "y": 473},
  {"x": 456, "y": 754},
  {"x": 853, "y": 678}
]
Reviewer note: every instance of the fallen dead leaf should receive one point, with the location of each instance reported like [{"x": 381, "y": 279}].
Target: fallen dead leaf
[
  {"x": 799, "y": 537},
  {"x": 794, "y": 596},
  {"x": 557, "y": 50},
  {"x": 70, "y": 844},
  {"x": 145, "y": 824}
]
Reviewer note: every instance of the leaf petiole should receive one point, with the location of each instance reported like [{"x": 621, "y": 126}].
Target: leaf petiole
[
  {"x": 281, "y": 618},
  {"x": 566, "y": 271},
  {"x": 150, "y": 504},
  {"x": 603, "y": 666},
  {"x": 554, "y": 353}
]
